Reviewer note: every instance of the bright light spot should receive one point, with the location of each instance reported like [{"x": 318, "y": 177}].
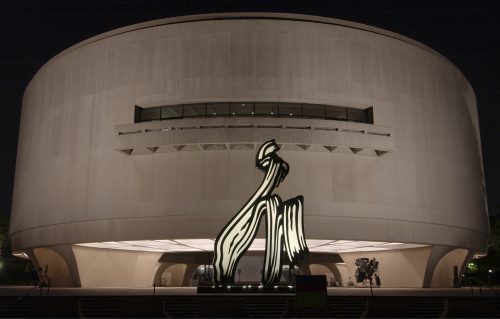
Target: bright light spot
[
  {"x": 472, "y": 267},
  {"x": 490, "y": 270},
  {"x": 20, "y": 254}
]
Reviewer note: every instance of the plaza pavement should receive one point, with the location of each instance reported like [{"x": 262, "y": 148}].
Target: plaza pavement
[{"x": 332, "y": 291}]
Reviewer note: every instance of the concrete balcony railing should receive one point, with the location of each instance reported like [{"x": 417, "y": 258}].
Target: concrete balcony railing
[{"x": 245, "y": 133}]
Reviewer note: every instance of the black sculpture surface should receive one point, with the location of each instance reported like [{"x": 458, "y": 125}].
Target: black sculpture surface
[{"x": 284, "y": 225}]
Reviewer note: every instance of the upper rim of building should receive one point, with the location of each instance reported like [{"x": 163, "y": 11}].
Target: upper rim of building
[{"x": 249, "y": 15}]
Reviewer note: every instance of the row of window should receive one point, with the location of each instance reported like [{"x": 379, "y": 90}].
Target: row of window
[{"x": 254, "y": 109}]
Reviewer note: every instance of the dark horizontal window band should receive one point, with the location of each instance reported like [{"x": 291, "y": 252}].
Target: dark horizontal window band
[{"x": 253, "y": 109}]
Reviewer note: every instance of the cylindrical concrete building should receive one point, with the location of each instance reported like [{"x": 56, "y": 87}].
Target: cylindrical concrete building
[{"x": 138, "y": 145}]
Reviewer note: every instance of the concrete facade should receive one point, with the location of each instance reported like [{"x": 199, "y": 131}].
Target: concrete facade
[{"x": 74, "y": 184}]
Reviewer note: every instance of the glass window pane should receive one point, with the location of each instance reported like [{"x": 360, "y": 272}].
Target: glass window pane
[
  {"x": 336, "y": 113},
  {"x": 171, "y": 112},
  {"x": 262, "y": 109},
  {"x": 266, "y": 109},
  {"x": 195, "y": 110},
  {"x": 242, "y": 109},
  {"x": 218, "y": 109},
  {"x": 313, "y": 111},
  {"x": 150, "y": 114},
  {"x": 290, "y": 110},
  {"x": 356, "y": 115}
]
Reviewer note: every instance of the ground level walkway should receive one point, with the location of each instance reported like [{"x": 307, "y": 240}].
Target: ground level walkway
[
  {"x": 185, "y": 302},
  {"x": 438, "y": 292}
]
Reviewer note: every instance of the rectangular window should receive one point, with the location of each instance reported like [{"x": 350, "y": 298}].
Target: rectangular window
[
  {"x": 150, "y": 114},
  {"x": 195, "y": 110},
  {"x": 171, "y": 112},
  {"x": 249, "y": 109},
  {"x": 290, "y": 110},
  {"x": 313, "y": 111},
  {"x": 242, "y": 109},
  {"x": 336, "y": 113},
  {"x": 356, "y": 115},
  {"x": 218, "y": 109},
  {"x": 266, "y": 109}
]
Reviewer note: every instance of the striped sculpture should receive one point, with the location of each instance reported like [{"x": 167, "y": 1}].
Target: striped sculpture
[{"x": 284, "y": 225}]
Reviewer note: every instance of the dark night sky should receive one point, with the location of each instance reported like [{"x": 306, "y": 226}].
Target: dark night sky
[{"x": 466, "y": 32}]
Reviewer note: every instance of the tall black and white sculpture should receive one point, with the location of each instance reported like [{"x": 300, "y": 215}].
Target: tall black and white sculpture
[{"x": 284, "y": 225}]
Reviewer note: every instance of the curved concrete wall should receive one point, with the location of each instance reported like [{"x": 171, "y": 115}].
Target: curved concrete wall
[{"x": 72, "y": 186}]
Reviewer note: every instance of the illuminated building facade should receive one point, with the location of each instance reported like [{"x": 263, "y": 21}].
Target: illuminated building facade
[{"x": 138, "y": 145}]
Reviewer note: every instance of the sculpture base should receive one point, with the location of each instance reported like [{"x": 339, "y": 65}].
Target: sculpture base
[{"x": 246, "y": 289}]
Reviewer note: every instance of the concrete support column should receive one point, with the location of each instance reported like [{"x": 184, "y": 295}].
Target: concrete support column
[
  {"x": 335, "y": 271},
  {"x": 67, "y": 254},
  {"x": 159, "y": 272},
  {"x": 436, "y": 254}
]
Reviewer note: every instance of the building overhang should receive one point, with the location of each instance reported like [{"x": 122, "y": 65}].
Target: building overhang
[{"x": 207, "y": 245}]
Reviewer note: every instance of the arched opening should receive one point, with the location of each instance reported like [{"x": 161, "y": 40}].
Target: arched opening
[
  {"x": 182, "y": 274},
  {"x": 170, "y": 275},
  {"x": 54, "y": 269},
  {"x": 443, "y": 274},
  {"x": 159, "y": 272},
  {"x": 178, "y": 269},
  {"x": 192, "y": 274}
]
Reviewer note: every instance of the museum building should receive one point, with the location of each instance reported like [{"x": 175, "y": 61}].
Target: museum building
[{"x": 138, "y": 145}]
